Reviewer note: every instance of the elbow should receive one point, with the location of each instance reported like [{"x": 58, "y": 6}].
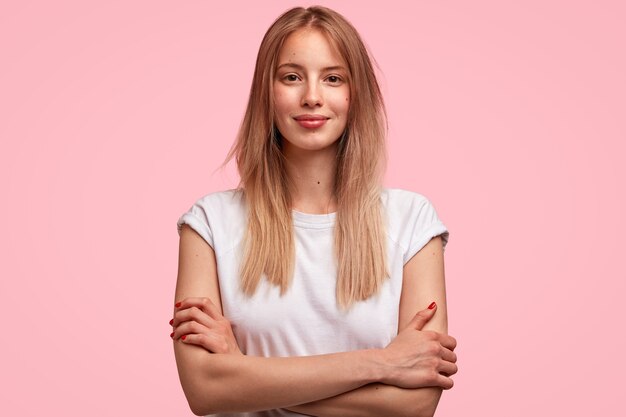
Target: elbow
[
  {"x": 203, "y": 395},
  {"x": 197, "y": 411},
  {"x": 425, "y": 412},
  {"x": 209, "y": 395},
  {"x": 200, "y": 409},
  {"x": 201, "y": 405},
  {"x": 206, "y": 396},
  {"x": 428, "y": 405},
  {"x": 196, "y": 388},
  {"x": 198, "y": 403},
  {"x": 201, "y": 380}
]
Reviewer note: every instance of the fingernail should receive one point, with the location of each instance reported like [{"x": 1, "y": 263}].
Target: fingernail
[
  {"x": 172, "y": 335},
  {"x": 432, "y": 305},
  {"x": 183, "y": 337},
  {"x": 171, "y": 322},
  {"x": 177, "y": 304}
]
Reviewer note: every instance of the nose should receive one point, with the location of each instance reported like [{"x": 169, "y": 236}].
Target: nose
[{"x": 312, "y": 95}]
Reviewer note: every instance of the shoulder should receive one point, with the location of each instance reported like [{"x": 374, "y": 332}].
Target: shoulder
[
  {"x": 411, "y": 219},
  {"x": 219, "y": 206},
  {"x": 397, "y": 200},
  {"x": 221, "y": 200},
  {"x": 215, "y": 215}
]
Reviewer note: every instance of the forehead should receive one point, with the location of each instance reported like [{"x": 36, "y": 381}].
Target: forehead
[{"x": 311, "y": 47}]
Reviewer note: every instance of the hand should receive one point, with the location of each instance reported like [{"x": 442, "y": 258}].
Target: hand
[
  {"x": 417, "y": 358},
  {"x": 198, "y": 321}
]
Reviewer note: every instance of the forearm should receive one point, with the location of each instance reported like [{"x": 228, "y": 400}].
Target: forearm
[
  {"x": 235, "y": 383},
  {"x": 376, "y": 400}
]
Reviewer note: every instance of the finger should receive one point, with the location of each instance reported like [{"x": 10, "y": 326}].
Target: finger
[
  {"x": 203, "y": 303},
  {"x": 423, "y": 316},
  {"x": 189, "y": 327},
  {"x": 447, "y": 341},
  {"x": 448, "y": 368},
  {"x": 209, "y": 342},
  {"x": 448, "y": 355},
  {"x": 193, "y": 314},
  {"x": 211, "y": 309},
  {"x": 444, "y": 382}
]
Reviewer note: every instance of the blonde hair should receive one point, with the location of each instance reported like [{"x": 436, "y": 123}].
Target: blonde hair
[{"x": 360, "y": 240}]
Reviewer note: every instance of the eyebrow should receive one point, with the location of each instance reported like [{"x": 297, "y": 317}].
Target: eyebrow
[{"x": 300, "y": 67}]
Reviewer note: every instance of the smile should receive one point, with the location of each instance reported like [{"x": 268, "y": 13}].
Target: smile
[{"x": 312, "y": 121}]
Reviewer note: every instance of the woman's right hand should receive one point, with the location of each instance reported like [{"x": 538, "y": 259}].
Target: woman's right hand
[{"x": 417, "y": 358}]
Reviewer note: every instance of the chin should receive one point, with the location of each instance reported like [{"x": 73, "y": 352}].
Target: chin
[{"x": 310, "y": 145}]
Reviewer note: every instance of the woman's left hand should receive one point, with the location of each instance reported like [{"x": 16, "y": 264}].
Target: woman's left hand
[{"x": 198, "y": 321}]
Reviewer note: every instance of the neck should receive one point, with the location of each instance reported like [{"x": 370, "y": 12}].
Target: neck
[{"x": 312, "y": 179}]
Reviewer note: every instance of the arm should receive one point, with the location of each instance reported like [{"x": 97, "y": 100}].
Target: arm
[
  {"x": 224, "y": 382},
  {"x": 423, "y": 281},
  {"x": 375, "y": 400},
  {"x": 214, "y": 383}
]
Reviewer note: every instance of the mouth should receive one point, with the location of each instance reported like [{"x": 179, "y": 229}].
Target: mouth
[{"x": 311, "y": 121}]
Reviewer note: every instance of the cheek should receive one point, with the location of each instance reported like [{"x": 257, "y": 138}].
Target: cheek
[
  {"x": 344, "y": 100},
  {"x": 282, "y": 101},
  {"x": 345, "y": 104}
]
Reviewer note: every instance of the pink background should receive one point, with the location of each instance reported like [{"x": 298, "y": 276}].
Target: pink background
[{"x": 509, "y": 116}]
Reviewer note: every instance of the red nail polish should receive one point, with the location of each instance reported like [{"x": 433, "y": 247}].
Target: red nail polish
[
  {"x": 172, "y": 335},
  {"x": 183, "y": 337},
  {"x": 171, "y": 322},
  {"x": 432, "y": 305},
  {"x": 177, "y": 304}
]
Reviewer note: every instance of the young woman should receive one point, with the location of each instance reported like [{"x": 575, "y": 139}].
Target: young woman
[{"x": 311, "y": 289}]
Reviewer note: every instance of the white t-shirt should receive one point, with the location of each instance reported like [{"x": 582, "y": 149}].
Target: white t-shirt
[{"x": 306, "y": 320}]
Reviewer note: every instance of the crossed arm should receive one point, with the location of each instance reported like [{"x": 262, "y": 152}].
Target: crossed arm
[{"x": 405, "y": 378}]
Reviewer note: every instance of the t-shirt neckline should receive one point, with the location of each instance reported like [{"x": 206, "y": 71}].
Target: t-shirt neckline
[{"x": 313, "y": 221}]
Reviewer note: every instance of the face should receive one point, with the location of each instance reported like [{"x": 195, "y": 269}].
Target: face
[{"x": 311, "y": 92}]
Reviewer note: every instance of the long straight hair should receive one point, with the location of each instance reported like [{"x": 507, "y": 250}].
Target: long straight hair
[{"x": 360, "y": 239}]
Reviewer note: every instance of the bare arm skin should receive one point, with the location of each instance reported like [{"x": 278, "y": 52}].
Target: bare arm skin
[
  {"x": 423, "y": 281},
  {"x": 234, "y": 382},
  {"x": 375, "y": 400}
]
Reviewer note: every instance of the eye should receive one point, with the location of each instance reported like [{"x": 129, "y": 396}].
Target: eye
[
  {"x": 334, "y": 79},
  {"x": 290, "y": 77}
]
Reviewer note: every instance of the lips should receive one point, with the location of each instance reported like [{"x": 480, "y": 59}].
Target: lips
[{"x": 311, "y": 121}]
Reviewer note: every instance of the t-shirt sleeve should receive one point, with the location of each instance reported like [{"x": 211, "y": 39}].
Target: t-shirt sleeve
[
  {"x": 425, "y": 225},
  {"x": 198, "y": 218}
]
